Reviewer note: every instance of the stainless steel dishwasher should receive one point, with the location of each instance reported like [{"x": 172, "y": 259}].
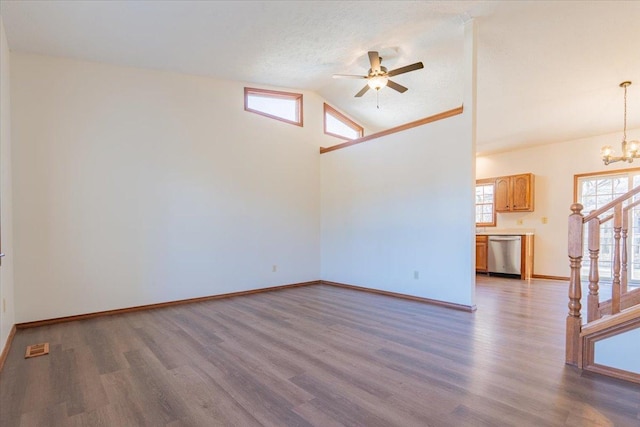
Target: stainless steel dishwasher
[{"x": 505, "y": 254}]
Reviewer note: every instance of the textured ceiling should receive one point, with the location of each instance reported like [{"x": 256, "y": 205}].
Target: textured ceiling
[{"x": 547, "y": 71}]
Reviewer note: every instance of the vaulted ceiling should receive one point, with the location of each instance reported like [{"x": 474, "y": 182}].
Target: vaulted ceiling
[{"x": 547, "y": 71}]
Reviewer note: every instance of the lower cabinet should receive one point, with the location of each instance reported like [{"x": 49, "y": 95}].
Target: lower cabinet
[{"x": 482, "y": 252}]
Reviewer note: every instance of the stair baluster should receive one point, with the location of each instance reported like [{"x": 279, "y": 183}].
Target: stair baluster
[
  {"x": 624, "y": 277},
  {"x": 574, "y": 320},
  {"x": 593, "y": 300},
  {"x": 615, "y": 285}
]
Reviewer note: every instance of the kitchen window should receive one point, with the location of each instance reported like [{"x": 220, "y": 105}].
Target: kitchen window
[
  {"x": 596, "y": 190},
  {"x": 485, "y": 203}
]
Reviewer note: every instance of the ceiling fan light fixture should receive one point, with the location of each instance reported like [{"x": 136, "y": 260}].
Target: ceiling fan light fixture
[{"x": 378, "y": 82}]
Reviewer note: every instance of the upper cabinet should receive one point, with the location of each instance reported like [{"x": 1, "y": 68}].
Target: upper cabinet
[
  {"x": 514, "y": 193},
  {"x": 503, "y": 194}
]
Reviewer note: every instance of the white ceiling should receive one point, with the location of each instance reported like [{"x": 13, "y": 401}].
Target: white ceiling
[{"x": 547, "y": 71}]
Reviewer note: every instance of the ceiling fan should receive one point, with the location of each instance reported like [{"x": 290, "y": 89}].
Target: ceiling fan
[{"x": 378, "y": 76}]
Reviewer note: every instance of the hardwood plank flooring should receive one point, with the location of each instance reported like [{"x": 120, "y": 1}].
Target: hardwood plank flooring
[{"x": 316, "y": 356}]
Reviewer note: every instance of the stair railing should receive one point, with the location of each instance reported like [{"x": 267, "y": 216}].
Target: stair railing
[{"x": 619, "y": 286}]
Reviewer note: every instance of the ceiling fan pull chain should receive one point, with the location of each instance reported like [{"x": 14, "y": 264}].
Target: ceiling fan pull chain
[{"x": 378, "y": 99}]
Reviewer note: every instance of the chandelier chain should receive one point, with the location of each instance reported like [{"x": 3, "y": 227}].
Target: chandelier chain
[{"x": 625, "y": 114}]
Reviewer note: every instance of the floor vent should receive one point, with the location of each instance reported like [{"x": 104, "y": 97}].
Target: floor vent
[{"x": 37, "y": 350}]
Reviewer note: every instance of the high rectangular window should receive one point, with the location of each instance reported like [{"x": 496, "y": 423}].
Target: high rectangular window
[
  {"x": 338, "y": 125},
  {"x": 283, "y": 106}
]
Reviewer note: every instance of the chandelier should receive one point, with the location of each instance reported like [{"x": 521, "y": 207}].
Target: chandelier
[{"x": 630, "y": 149}]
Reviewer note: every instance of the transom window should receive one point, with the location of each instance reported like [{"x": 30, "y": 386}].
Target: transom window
[
  {"x": 283, "y": 106},
  {"x": 596, "y": 190},
  {"x": 338, "y": 125},
  {"x": 485, "y": 206}
]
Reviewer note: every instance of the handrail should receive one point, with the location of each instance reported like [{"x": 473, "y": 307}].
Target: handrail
[
  {"x": 605, "y": 219},
  {"x": 577, "y": 224},
  {"x": 599, "y": 325},
  {"x": 625, "y": 209},
  {"x": 430, "y": 119},
  {"x": 600, "y": 211},
  {"x": 628, "y": 300},
  {"x": 631, "y": 205}
]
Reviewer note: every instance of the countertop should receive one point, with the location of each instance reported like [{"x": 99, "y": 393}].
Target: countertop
[{"x": 506, "y": 232}]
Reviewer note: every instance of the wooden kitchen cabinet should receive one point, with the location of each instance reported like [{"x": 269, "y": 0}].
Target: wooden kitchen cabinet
[
  {"x": 502, "y": 194},
  {"x": 482, "y": 252},
  {"x": 514, "y": 193}
]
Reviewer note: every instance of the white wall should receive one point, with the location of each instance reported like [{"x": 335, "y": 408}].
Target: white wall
[
  {"x": 397, "y": 211},
  {"x": 620, "y": 351},
  {"x": 400, "y": 204},
  {"x": 136, "y": 187},
  {"x": 554, "y": 167},
  {"x": 7, "y": 316}
]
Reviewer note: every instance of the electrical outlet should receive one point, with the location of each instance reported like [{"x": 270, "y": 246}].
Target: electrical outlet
[
  {"x": 544, "y": 219},
  {"x": 519, "y": 222},
  {"x": 274, "y": 268},
  {"x": 416, "y": 274}
]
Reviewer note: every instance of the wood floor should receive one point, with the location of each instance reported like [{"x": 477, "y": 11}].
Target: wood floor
[{"x": 316, "y": 355}]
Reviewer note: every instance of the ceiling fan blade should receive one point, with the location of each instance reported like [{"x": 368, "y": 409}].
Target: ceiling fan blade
[
  {"x": 396, "y": 86},
  {"x": 374, "y": 58},
  {"x": 405, "y": 69},
  {"x": 362, "y": 91},
  {"x": 348, "y": 76}
]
